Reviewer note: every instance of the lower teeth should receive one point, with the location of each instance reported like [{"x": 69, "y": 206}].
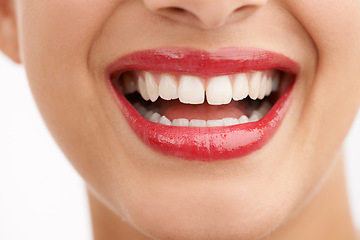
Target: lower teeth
[{"x": 156, "y": 117}]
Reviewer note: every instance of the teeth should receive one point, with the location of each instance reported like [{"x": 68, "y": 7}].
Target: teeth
[
  {"x": 182, "y": 122},
  {"x": 230, "y": 121},
  {"x": 142, "y": 110},
  {"x": 254, "y": 85},
  {"x": 142, "y": 88},
  {"x": 243, "y": 119},
  {"x": 255, "y": 116},
  {"x": 275, "y": 82},
  {"x": 197, "y": 123},
  {"x": 191, "y": 90},
  {"x": 148, "y": 114},
  {"x": 168, "y": 88},
  {"x": 129, "y": 84},
  {"x": 155, "y": 117},
  {"x": 269, "y": 83},
  {"x": 262, "y": 91},
  {"x": 240, "y": 87},
  {"x": 265, "y": 108},
  {"x": 219, "y": 90},
  {"x": 152, "y": 87},
  {"x": 164, "y": 120},
  {"x": 214, "y": 123}
]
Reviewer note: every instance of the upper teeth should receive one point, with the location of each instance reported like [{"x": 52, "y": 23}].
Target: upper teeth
[
  {"x": 240, "y": 87},
  {"x": 151, "y": 86},
  {"x": 142, "y": 88},
  {"x": 192, "y": 89},
  {"x": 168, "y": 88},
  {"x": 219, "y": 90}
]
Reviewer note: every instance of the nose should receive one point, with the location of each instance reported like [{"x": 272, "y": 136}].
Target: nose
[{"x": 206, "y": 14}]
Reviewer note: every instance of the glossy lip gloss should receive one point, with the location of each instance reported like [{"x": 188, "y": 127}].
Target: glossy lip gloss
[{"x": 210, "y": 143}]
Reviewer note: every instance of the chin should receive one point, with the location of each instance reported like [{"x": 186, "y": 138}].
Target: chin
[{"x": 207, "y": 212}]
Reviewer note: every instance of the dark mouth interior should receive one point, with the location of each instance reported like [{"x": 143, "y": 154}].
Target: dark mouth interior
[{"x": 162, "y": 106}]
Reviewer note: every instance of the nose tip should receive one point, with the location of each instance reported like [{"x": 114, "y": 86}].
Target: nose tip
[{"x": 207, "y": 14}]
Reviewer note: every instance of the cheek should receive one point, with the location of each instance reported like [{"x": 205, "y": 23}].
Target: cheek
[
  {"x": 333, "y": 93},
  {"x": 332, "y": 96},
  {"x": 334, "y": 27},
  {"x": 60, "y": 31},
  {"x": 55, "y": 51}
]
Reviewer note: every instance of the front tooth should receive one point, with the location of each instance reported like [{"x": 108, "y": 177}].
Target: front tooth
[
  {"x": 155, "y": 117},
  {"x": 240, "y": 87},
  {"x": 214, "y": 123},
  {"x": 219, "y": 90},
  {"x": 181, "y": 122},
  {"x": 191, "y": 90},
  {"x": 151, "y": 86},
  {"x": 230, "y": 121},
  {"x": 142, "y": 88},
  {"x": 197, "y": 123},
  {"x": 243, "y": 119},
  {"x": 254, "y": 85},
  {"x": 262, "y": 91},
  {"x": 164, "y": 120},
  {"x": 168, "y": 88},
  {"x": 255, "y": 116}
]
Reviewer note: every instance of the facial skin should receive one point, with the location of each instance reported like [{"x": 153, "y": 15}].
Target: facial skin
[{"x": 66, "y": 46}]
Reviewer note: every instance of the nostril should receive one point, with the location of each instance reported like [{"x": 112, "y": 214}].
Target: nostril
[
  {"x": 178, "y": 13},
  {"x": 207, "y": 14},
  {"x": 239, "y": 9},
  {"x": 177, "y": 10}
]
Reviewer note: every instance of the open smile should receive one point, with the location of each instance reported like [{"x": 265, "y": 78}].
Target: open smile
[{"x": 200, "y": 105}]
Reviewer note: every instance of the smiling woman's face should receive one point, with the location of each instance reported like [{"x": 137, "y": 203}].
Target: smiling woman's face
[{"x": 252, "y": 177}]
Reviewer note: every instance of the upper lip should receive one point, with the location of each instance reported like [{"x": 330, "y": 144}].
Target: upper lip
[
  {"x": 207, "y": 144},
  {"x": 222, "y": 61}
]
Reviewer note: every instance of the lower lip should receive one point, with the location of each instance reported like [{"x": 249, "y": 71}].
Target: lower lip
[{"x": 207, "y": 143}]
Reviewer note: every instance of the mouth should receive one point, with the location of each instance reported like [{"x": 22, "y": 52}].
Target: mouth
[{"x": 205, "y": 106}]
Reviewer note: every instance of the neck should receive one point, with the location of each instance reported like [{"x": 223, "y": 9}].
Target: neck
[{"x": 326, "y": 216}]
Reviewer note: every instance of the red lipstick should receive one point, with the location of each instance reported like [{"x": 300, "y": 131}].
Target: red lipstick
[{"x": 212, "y": 143}]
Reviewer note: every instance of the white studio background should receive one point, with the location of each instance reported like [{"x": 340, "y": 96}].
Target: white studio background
[{"x": 41, "y": 196}]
